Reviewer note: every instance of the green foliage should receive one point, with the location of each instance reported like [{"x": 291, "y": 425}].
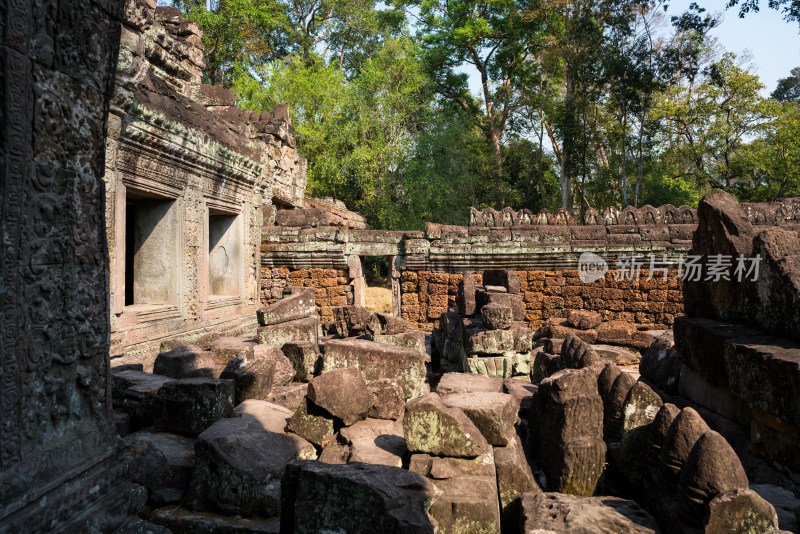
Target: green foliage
[{"x": 788, "y": 89}]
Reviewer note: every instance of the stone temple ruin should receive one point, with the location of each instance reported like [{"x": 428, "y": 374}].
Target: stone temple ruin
[{"x": 186, "y": 346}]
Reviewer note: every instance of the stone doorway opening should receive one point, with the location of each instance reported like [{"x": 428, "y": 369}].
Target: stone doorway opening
[{"x": 376, "y": 283}]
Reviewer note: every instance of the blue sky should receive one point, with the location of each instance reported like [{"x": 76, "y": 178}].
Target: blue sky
[{"x": 774, "y": 44}]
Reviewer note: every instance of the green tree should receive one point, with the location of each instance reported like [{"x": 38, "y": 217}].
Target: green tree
[
  {"x": 789, "y": 8},
  {"x": 708, "y": 126},
  {"x": 788, "y": 89}
]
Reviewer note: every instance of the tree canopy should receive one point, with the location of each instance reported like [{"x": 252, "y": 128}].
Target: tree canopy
[{"x": 413, "y": 110}]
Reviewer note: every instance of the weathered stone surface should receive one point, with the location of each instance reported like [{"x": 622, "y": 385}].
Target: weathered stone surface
[
  {"x": 284, "y": 370},
  {"x": 468, "y": 383},
  {"x": 606, "y": 379},
  {"x": 584, "y": 319},
  {"x": 613, "y": 405},
  {"x": 502, "y": 277},
  {"x": 183, "y": 521},
  {"x": 301, "y": 218},
  {"x": 229, "y": 347},
  {"x": 288, "y": 396},
  {"x": 617, "y": 354},
  {"x": 431, "y": 427},
  {"x": 161, "y": 462},
  {"x": 638, "y": 412},
  {"x": 373, "y": 441},
  {"x": 252, "y": 376},
  {"x": 621, "y": 333},
  {"x": 694, "y": 387},
  {"x": 544, "y": 365},
  {"x": 493, "y": 413},
  {"x": 191, "y": 405},
  {"x": 305, "y": 357},
  {"x": 522, "y": 391},
  {"x": 711, "y": 468},
  {"x": 187, "y": 361},
  {"x": 388, "y": 400},
  {"x": 565, "y": 427},
  {"x": 439, "y": 468},
  {"x": 412, "y": 340},
  {"x": 660, "y": 364},
  {"x": 388, "y": 499},
  {"x": 391, "y": 325},
  {"x": 312, "y": 423},
  {"x": 503, "y": 366},
  {"x": 278, "y": 335},
  {"x": 740, "y": 510},
  {"x": 577, "y": 354},
  {"x": 239, "y": 467},
  {"x": 300, "y": 304},
  {"x": 496, "y": 316},
  {"x": 485, "y": 295},
  {"x": 565, "y": 514},
  {"x": 134, "y": 392},
  {"x": 271, "y": 416},
  {"x": 352, "y": 321},
  {"x": 784, "y": 502},
  {"x": 481, "y": 341},
  {"x": 466, "y": 295},
  {"x": 377, "y": 361},
  {"x": 523, "y": 336},
  {"x": 342, "y": 393},
  {"x": 467, "y": 504},
  {"x": 658, "y": 430},
  {"x": 682, "y": 435},
  {"x": 514, "y": 479},
  {"x": 559, "y": 329}
]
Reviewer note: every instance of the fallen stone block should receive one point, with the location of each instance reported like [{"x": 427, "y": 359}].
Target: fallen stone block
[
  {"x": 431, "y": 427},
  {"x": 466, "y": 295},
  {"x": 391, "y": 325},
  {"x": 621, "y": 356},
  {"x": 711, "y": 468},
  {"x": 740, "y": 510},
  {"x": 523, "y": 336},
  {"x": 503, "y": 366},
  {"x": 377, "y": 361},
  {"x": 191, "y": 405},
  {"x": 388, "y": 499},
  {"x": 342, "y": 393},
  {"x": 565, "y": 514},
  {"x": 522, "y": 391},
  {"x": 134, "y": 392},
  {"x": 560, "y": 328},
  {"x": 388, "y": 400},
  {"x": 493, "y": 295},
  {"x": 305, "y": 358},
  {"x": 496, "y": 317},
  {"x": 621, "y": 333},
  {"x": 280, "y": 334},
  {"x": 514, "y": 479},
  {"x": 468, "y": 383},
  {"x": 288, "y": 396},
  {"x": 440, "y": 468},
  {"x": 493, "y": 413},
  {"x": 482, "y": 341},
  {"x": 351, "y": 321},
  {"x": 182, "y": 521},
  {"x": 284, "y": 370},
  {"x": 312, "y": 423},
  {"x": 371, "y": 441},
  {"x": 252, "y": 377},
  {"x": 227, "y": 348},
  {"x": 161, "y": 462},
  {"x": 467, "y": 504},
  {"x": 411, "y": 340},
  {"x": 565, "y": 427},
  {"x": 299, "y": 304},
  {"x": 187, "y": 361},
  {"x": 543, "y": 366},
  {"x": 584, "y": 319},
  {"x": 660, "y": 364},
  {"x": 239, "y": 466}
]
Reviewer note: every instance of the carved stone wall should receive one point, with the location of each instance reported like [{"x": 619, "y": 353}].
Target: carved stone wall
[
  {"x": 184, "y": 146},
  {"x": 333, "y": 287},
  {"x": 56, "y": 438}
]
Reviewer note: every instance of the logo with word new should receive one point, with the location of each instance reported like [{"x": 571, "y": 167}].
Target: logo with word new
[{"x": 591, "y": 267}]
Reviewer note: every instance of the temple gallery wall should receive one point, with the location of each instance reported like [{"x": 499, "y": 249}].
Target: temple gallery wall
[{"x": 186, "y": 346}]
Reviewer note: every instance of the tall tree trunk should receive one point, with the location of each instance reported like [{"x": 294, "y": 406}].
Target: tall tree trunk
[
  {"x": 623, "y": 174},
  {"x": 540, "y": 170}
]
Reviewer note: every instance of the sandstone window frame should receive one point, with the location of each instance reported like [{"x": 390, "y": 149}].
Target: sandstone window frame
[
  {"x": 235, "y": 212},
  {"x": 133, "y": 187}
]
